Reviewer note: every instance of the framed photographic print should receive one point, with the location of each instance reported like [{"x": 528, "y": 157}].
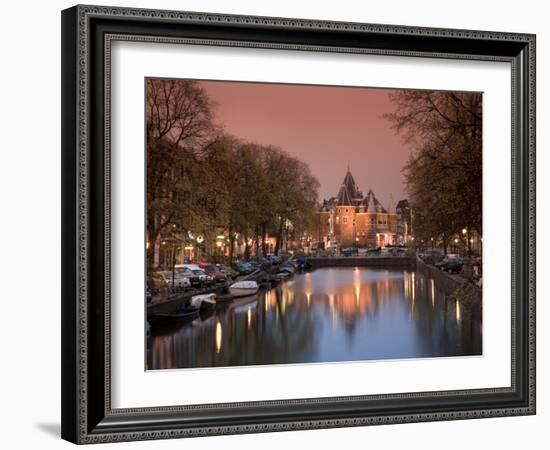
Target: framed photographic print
[{"x": 281, "y": 224}]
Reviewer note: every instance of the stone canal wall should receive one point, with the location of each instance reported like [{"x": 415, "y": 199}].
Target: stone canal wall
[
  {"x": 389, "y": 262},
  {"x": 446, "y": 282}
]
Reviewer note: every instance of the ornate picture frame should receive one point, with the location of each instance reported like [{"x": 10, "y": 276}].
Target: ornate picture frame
[{"x": 87, "y": 35}]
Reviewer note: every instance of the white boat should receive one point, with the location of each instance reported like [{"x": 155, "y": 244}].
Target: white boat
[
  {"x": 243, "y": 288},
  {"x": 204, "y": 301}
]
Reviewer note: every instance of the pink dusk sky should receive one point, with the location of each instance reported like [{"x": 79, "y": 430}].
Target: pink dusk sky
[{"x": 325, "y": 127}]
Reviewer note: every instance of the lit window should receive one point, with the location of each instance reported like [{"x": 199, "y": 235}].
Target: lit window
[{"x": 345, "y": 220}]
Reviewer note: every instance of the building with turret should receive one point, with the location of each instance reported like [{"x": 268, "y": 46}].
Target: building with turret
[{"x": 352, "y": 219}]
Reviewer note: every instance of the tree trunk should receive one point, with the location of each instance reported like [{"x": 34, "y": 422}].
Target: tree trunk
[
  {"x": 264, "y": 243},
  {"x": 246, "y": 247},
  {"x": 231, "y": 245},
  {"x": 286, "y": 237},
  {"x": 257, "y": 239},
  {"x": 279, "y": 236},
  {"x": 153, "y": 235}
]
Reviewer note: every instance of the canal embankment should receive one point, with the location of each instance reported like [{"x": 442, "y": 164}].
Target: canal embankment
[
  {"x": 447, "y": 283},
  {"x": 382, "y": 262}
]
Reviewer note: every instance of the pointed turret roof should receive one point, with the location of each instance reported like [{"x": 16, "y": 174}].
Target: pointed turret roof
[
  {"x": 373, "y": 204},
  {"x": 351, "y": 186},
  {"x": 348, "y": 191},
  {"x": 344, "y": 197}
]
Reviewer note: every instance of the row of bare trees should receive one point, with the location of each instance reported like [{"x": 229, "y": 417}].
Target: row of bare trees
[
  {"x": 203, "y": 181},
  {"x": 443, "y": 176}
]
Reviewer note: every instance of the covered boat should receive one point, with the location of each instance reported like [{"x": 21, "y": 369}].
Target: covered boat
[{"x": 243, "y": 288}]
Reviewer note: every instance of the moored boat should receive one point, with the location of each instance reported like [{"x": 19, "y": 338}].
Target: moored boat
[
  {"x": 204, "y": 301},
  {"x": 184, "y": 316},
  {"x": 224, "y": 298},
  {"x": 243, "y": 288}
]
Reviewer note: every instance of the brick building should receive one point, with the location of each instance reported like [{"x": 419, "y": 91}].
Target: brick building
[{"x": 353, "y": 219}]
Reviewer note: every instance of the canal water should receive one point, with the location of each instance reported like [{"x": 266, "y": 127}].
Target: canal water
[{"x": 327, "y": 315}]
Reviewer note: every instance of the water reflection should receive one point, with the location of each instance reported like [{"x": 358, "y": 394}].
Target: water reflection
[{"x": 331, "y": 314}]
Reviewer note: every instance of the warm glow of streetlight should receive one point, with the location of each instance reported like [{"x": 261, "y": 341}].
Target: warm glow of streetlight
[
  {"x": 464, "y": 230},
  {"x": 456, "y": 240},
  {"x": 218, "y": 243}
]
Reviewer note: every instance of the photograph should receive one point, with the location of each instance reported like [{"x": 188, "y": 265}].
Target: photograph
[{"x": 294, "y": 224}]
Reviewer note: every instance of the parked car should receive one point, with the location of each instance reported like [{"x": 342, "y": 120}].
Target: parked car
[
  {"x": 396, "y": 250},
  {"x": 288, "y": 267},
  {"x": 274, "y": 259},
  {"x": 374, "y": 251},
  {"x": 174, "y": 279},
  {"x": 186, "y": 272},
  {"x": 243, "y": 268},
  {"x": 432, "y": 256},
  {"x": 350, "y": 251},
  {"x": 228, "y": 271},
  {"x": 452, "y": 263},
  {"x": 205, "y": 279},
  {"x": 260, "y": 262},
  {"x": 215, "y": 272}
]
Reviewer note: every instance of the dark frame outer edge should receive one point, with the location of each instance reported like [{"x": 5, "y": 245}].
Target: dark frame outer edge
[
  {"x": 69, "y": 334},
  {"x": 86, "y": 413}
]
